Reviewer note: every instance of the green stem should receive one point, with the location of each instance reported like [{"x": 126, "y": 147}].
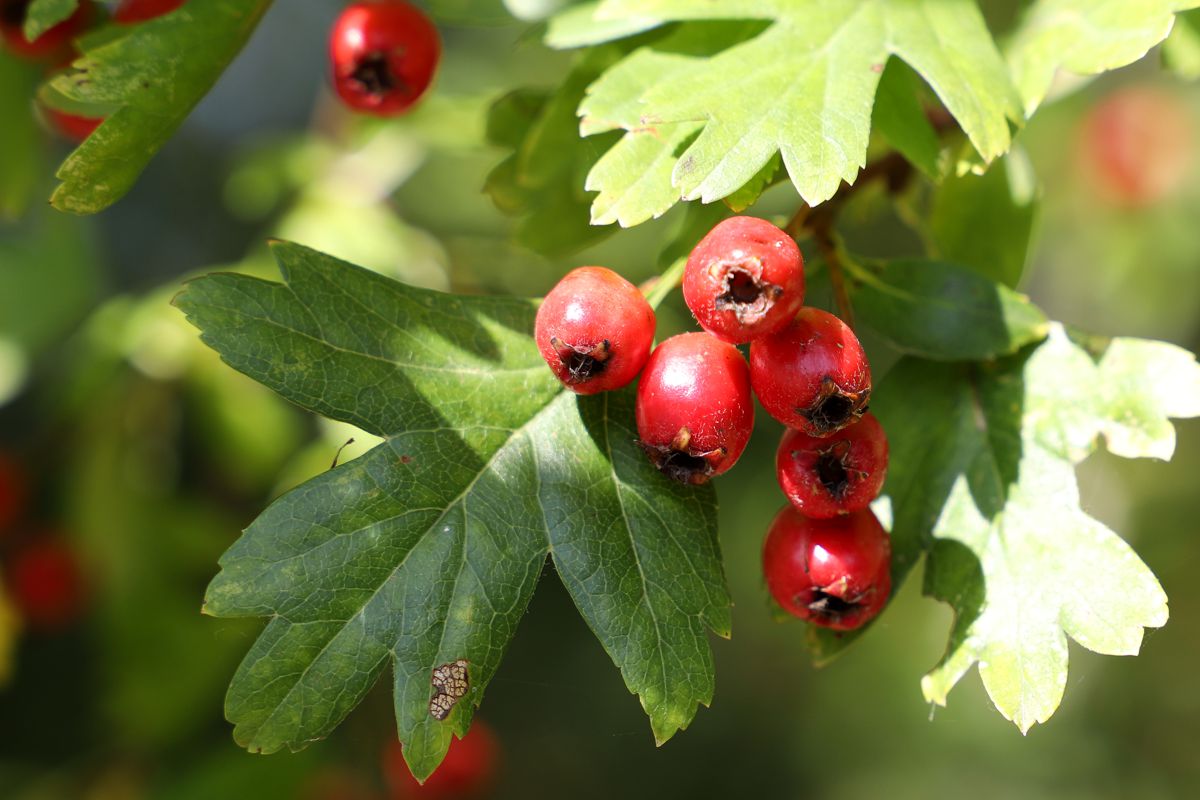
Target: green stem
[{"x": 657, "y": 289}]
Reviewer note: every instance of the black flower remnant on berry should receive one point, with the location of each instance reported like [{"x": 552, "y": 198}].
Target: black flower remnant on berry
[
  {"x": 746, "y": 295},
  {"x": 680, "y": 463},
  {"x": 831, "y": 607},
  {"x": 832, "y": 473},
  {"x": 374, "y": 74},
  {"x": 834, "y": 408},
  {"x": 583, "y": 362}
]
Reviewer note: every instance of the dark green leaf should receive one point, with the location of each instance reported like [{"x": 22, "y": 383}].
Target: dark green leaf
[
  {"x": 147, "y": 81},
  {"x": 900, "y": 117},
  {"x": 426, "y": 550},
  {"x": 42, "y": 15},
  {"x": 1181, "y": 51},
  {"x": 943, "y": 311},
  {"x": 986, "y": 222}
]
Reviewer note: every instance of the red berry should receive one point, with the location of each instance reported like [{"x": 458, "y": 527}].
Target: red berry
[
  {"x": 813, "y": 375},
  {"x": 52, "y": 44},
  {"x": 132, "y": 11},
  {"x": 467, "y": 771},
  {"x": 384, "y": 56},
  {"x": 694, "y": 409},
  {"x": 595, "y": 330},
  {"x": 1138, "y": 145},
  {"x": 46, "y": 584},
  {"x": 835, "y": 475},
  {"x": 72, "y": 126},
  {"x": 13, "y": 491},
  {"x": 835, "y": 573},
  {"x": 744, "y": 279}
]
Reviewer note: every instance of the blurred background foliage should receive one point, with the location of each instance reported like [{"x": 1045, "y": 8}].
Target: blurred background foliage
[{"x": 135, "y": 457}]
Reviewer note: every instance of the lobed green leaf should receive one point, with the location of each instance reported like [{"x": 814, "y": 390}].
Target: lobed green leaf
[
  {"x": 145, "y": 80},
  {"x": 426, "y": 550}
]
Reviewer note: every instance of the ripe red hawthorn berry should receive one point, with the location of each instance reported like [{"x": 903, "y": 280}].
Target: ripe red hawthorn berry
[
  {"x": 132, "y": 11},
  {"x": 813, "y": 375},
  {"x": 835, "y": 573},
  {"x": 1137, "y": 145},
  {"x": 384, "y": 55},
  {"x": 468, "y": 770},
  {"x": 595, "y": 330},
  {"x": 835, "y": 475},
  {"x": 46, "y": 583},
  {"x": 744, "y": 279},
  {"x": 695, "y": 413},
  {"x": 52, "y": 44}
]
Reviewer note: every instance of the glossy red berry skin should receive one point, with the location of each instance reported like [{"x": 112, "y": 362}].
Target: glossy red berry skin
[
  {"x": 51, "y": 45},
  {"x": 835, "y": 573},
  {"x": 744, "y": 279},
  {"x": 835, "y": 475},
  {"x": 46, "y": 584},
  {"x": 813, "y": 375},
  {"x": 130, "y": 12},
  {"x": 695, "y": 412},
  {"x": 595, "y": 330},
  {"x": 384, "y": 56},
  {"x": 72, "y": 126},
  {"x": 468, "y": 771}
]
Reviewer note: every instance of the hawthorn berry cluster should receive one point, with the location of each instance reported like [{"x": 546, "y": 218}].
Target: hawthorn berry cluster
[
  {"x": 826, "y": 558},
  {"x": 55, "y": 48}
]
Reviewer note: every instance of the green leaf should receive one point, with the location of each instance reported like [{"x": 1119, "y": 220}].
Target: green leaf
[
  {"x": 900, "y": 117},
  {"x": 426, "y": 549},
  {"x": 802, "y": 87},
  {"x": 986, "y": 222},
  {"x": 147, "y": 81},
  {"x": 579, "y": 26},
  {"x": 1181, "y": 50},
  {"x": 19, "y": 133},
  {"x": 1048, "y": 570},
  {"x": 541, "y": 182},
  {"x": 42, "y": 15},
  {"x": 1085, "y": 37},
  {"x": 944, "y": 311}
]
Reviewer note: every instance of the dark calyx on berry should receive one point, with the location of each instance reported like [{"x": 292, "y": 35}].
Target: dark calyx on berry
[
  {"x": 831, "y": 607},
  {"x": 582, "y": 363},
  {"x": 374, "y": 74},
  {"x": 747, "y": 296},
  {"x": 831, "y": 469},
  {"x": 678, "y": 461},
  {"x": 834, "y": 409},
  {"x": 12, "y": 12}
]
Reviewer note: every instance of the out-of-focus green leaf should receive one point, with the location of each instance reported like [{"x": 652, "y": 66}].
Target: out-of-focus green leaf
[
  {"x": 426, "y": 549},
  {"x": 579, "y": 26},
  {"x": 943, "y": 311},
  {"x": 146, "y": 82},
  {"x": 1181, "y": 50},
  {"x": 986, "y": 222},
  {"x": 19, "y": 174},
  {"x": 1085, "y": 37},
  {"x": 542, "y": 181},
  {"x": 42, "y": 15}
]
